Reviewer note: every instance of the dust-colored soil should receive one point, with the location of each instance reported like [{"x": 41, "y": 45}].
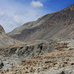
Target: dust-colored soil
[{"x": 46, "y": 63}]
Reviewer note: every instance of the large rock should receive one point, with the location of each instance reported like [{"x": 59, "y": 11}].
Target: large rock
[{"x": 1, "y": 64}]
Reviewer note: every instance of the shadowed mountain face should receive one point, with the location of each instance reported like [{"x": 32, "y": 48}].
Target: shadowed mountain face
[{"x": 55, "y": 25}]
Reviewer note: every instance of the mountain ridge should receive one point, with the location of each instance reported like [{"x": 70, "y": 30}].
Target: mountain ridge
[{"x": 56, "y": 25}]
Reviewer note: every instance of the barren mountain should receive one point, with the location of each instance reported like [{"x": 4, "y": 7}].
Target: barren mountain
[
  {"x": 57, "y": 25},
  {"x": 6, "y": 41}
]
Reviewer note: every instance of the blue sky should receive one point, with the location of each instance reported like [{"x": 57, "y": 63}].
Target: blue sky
[{"x": 14, "y": 13}]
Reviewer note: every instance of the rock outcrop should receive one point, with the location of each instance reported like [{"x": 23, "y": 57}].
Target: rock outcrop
[
  {"x": 1, "y": 64},
  {"x": 1, "y": 30},
  {"x": 56, "y": 62}
]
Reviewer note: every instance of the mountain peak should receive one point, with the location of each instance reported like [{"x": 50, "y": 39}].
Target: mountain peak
[
  {"x": 1, "y": 29},
  {"x": 71, "y": 7}
]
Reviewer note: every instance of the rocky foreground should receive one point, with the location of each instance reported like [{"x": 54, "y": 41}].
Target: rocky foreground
[
  {"x": 39, "y": 58},
  {"x": 58, "y": 62}
]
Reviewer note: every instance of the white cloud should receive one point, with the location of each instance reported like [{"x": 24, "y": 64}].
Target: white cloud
[
  {"x": 1, "y": 13},
  {"x": 36, "y": 4},
  {"x": 9, "y": 22}
]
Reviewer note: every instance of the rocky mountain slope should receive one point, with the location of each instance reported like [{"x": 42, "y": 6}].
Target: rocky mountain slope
[
  {"x": 57, "y": 25},
  {"x": 13, "y": 51},
  {"x": 36, "y": 57},
  {"x": 6, "y": 41}
]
